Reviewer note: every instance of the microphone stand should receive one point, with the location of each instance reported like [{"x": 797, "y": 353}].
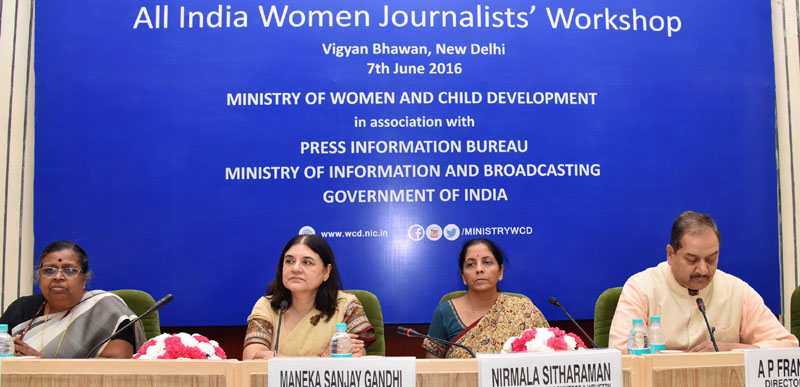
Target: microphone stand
[
  {"x": 555, "y": 302},
  {"x": 153, "y": 308},
  {"x": 412, "y": 333},
  {"x": 284, "y": 305},
  {"x": 702, "y": 306}
]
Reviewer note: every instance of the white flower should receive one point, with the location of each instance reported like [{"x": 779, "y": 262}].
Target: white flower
[
  {"x": 207, "y": 348},
  {"x": 507, "y": 345},
  {"x": 157, "y": 347},
  {"x": 161, "y": 337},
  {"x": 538, "y": 345},
  {"x": 156, "y": 350},
  {"x": 186, "y": 339},
  {"x": 543, "y": 334},
  {"x": 571, "y": 343}
]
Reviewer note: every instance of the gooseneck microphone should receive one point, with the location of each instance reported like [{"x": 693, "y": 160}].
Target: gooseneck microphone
[
  {"x": 284, "y": 305},
  {"x": 702, "y": 307},
  {"x": 404, "y": 331},
  {"x": 152, "y": 309},
  {"x": 555, "y": 302}
]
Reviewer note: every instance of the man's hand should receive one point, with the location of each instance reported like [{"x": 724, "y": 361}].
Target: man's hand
[{"x": 708, "y": 346}]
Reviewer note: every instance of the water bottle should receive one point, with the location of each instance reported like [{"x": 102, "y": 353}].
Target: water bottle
[
  {"x": 6, "y": 342},
  {"x": 658, "y": 341},
  {"x": 637, "y": 339},
  {"x": 340, "y": 342}
]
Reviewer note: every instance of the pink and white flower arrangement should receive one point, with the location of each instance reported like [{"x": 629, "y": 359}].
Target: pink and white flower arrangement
[
  {"x": 544, "y": 340},
  {"x": 180, "y": 346}
]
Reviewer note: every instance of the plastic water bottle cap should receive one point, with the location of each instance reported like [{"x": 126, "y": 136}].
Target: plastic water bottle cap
[
  {"x": 655, "y": 319},
  {"x": 638, "y": 321},
  {"x": 341, "y": 326},
  {"x": 4, "y": 327}
]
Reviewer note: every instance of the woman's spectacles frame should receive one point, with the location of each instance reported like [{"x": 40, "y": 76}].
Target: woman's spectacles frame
[{"x": 50, "y": 271}]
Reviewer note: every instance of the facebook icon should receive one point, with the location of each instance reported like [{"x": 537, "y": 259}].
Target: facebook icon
[{"x": 416, "y": 232}]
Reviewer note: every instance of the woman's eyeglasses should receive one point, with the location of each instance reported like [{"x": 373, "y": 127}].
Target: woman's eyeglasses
[{"x": 69, "y": 272}]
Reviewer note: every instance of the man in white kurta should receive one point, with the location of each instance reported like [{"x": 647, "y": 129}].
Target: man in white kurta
[{"x": 670, "y": 290}]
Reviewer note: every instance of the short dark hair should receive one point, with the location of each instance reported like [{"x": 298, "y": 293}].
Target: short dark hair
[
  {"x": 498, "y": 254},
  {"x": 83, "y": 259},
  {"x": 327, "y": 293},
  {"x": 688, "y": 223}
]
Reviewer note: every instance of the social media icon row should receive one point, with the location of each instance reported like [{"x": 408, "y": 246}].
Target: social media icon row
[{"x": 434, "y": 232}]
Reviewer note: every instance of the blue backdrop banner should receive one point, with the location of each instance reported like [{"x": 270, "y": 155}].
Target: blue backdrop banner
[{"x": 183, "y": 143}]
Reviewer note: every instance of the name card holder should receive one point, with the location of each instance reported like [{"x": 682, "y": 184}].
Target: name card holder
[
  {"x": 772, "y": 367},
  {"x": 590, "y": 368},
  {"x": 365, "y": 371}
]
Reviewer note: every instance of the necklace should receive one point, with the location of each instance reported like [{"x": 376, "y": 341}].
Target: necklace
[
  {"x": 30, "y": 323},
  {"x": 44, "y": 327}
]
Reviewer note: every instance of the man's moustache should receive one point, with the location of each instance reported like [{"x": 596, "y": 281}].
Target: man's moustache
[{"x": 695, "y": 276}]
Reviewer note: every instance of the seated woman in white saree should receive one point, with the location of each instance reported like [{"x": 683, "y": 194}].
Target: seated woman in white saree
[
  {"x": 65, "y": 320},
  {"x": 308, "y": 280}
]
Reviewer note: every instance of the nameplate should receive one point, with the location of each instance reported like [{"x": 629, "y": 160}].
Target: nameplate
[
  {"x": 590, "y": 368},
  {"x": 772, "y": 367},
  {"x": 368, "y": 371}
]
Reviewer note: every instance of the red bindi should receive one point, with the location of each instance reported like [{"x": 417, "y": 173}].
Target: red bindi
[{"x": 59, "y": 260}]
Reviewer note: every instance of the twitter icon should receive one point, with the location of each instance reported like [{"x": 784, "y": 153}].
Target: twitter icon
[{"x": 451, "y": 232}]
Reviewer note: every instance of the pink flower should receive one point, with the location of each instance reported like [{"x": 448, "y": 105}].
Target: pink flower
[
  {"x": 557, "y": 343},
  {"x": 172, "y": 340},
  {"x": 518, "y": 345},
  {"x": 174, "y": 351},
  {"x": 220, "y": 353},
  {"x": 144, "y": 347},
  {"x": 557, "y": 332},
  {"x": 179, "y": 346},
  {"x": 194, "y": 353},
  {"x": 578, "y": 342},
  {"x": 201, "y": 338},
  {"x": 528, "y": 335}
]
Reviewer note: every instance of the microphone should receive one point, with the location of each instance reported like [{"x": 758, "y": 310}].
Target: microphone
[
  {"x": 555, "y": 302},
  {"x": 153, "y": 308},
  {"x": 404, "y": 331},
  {"x": 702, "y": 306},
  {"x": 284, "y": 305}
]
